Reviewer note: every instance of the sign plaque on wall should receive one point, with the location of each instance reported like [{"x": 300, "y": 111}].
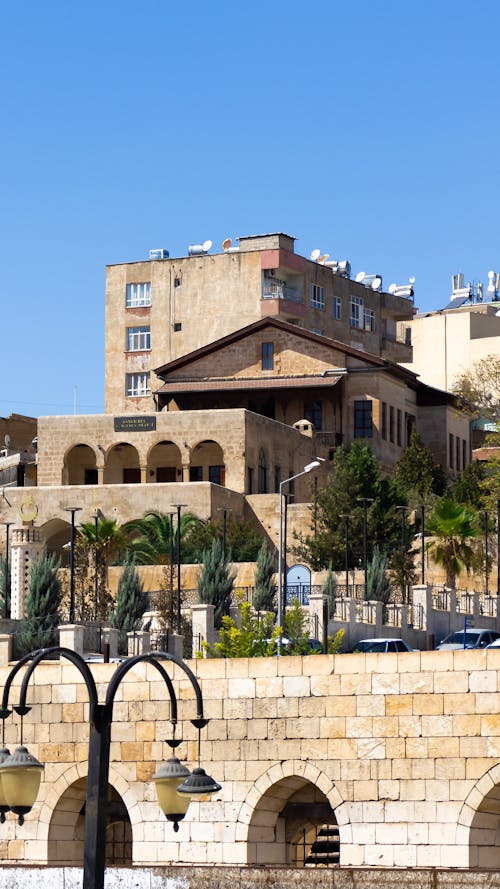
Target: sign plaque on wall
[{"x": 136, "y": 423}]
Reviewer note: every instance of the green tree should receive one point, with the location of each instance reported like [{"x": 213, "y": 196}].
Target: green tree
[
  {"x": 100, "y": 541},
  {"x": 215, "y": 582},
  {"x": 39, "y": 627},
  {"x": 243, "y": 539},
  {"x": 5, "y": 586},
  {"x": 378, "y": 586},
  {"x": 402, "y": 570},
  {"x": 478, "y": 388},
  {"x": 468, "y": 488},
  {"x": 454, "y": 529},
  {"x": 416, "y": 476},
  {"x": 264, "y": 597},
  {"x": 330, "y": 587},
  {"x": 254, "y": 637},
  {"x": 152, "y": 540},
  {"x": 131, "y": 603}
]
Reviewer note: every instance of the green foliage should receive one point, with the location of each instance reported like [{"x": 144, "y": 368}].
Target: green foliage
[
  {"x": 5, "y": 587},
  {"x": 153, "y": 539},
  {"x": 215, "y": 582},
  {"x": 468, "y": 488},
  {"x": 354, "y": 474},
  {"x": 378, "y": 583},
  {"x": 453, "y": 527},
  {"x": 131, "y": 603},
  {"x": 255, "y": 637},
  {"x": 264, "y": 598},
  {"x": 243, "y": 539},
  {"x": 478, "y": 388},
  {"x": 416, "y": 476},
  {"x": 402, "y": 570},
  {"x": 97, "y": 544},
  {"x": 39, "y": 627},
  {"x": 330, "y": 587}
]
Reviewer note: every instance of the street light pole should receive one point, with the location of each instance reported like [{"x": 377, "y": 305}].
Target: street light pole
[
  {"x": 313, "y": 465},
  {"x": 486, "y": 553},
  {"x": 403, "y": 510},
  {"x": 100, "y": 720},
  {"x": 72, "y": 510},
  {"x": 224, "y": 510},
  {"x": 7, "y": 585},
  {"x": 365, "y": 501},
  {"x": 178, "y": 507},
  {"x": 422, "y": 514},
  {"x": 345, "y": 516}
]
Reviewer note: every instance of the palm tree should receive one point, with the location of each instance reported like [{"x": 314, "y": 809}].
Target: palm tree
[
  {"x": 153, "y": 540},
  {"x": 452, "y": 526},
  {"x": 102, "y": 540}
]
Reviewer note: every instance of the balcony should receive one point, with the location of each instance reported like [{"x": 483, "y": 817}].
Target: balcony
[{"x": 272, "y": 290}]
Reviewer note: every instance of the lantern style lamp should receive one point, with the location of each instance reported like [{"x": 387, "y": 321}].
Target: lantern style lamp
[
  {"x": 20, "y": 776},
  {"x": 4, "y": 808},
  {"x": 198, "y": 784},
  {"x": 167, "y": 779}
]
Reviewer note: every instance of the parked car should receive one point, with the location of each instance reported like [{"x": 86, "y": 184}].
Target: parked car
[
  {"x": 374, "y": 645},
  {"x": 494, "y": 644},
  {"x": 473, "y": 638}
]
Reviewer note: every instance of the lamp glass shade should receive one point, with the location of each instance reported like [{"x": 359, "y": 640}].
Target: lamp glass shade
[
  {"x": 198, "y": 784},
  {"x": 4, "y": 753},
  {"x": 20, "y": 776},
  {"x": 167, "y": 779}
]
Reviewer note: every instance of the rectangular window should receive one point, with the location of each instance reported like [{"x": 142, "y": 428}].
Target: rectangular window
[
  {"x": 369, "y": 319},
  {"x": 450, "y": 447},
  {"x": 399, "y": 429},
  {"x": 464, "y": 453},
  {"x": 217, "y": 475},
  {"x": 196, "y": 473},
  {"x": 457, "y": 454},
  {"x": 391, "y": 424},
  {"x": 138, "y": 295},
  {"x": 313, "y": 411},
  {"x": 363, "y": 426},
  {"x": 356, "y": 317},
  {"x": 383, "y": 420},
  {"x": 138, "y": 339},
  {"x": 137, "y": 385},
  {"x": 317, "y": 296},
  {"x": 277, "y": 479},
  {"x": 267, "y": 356},
  {"x": 337, "y": 308}
]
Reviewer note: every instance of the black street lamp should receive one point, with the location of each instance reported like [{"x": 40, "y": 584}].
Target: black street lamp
[
  {"x": 178, "y": 507},
  {"x": 72, "y": 510},
  {"x": 365, "y": 501},
  {"x": 486, "y": 553},
  {"x": 403, "y": 510},
  {"x": 224, "y": 510},
  {"x": 7, "y": 586},
  {"x": 422, "y": 520},
  {"x": 346, "y": 517},
  {"x": 20, "y": 773}
]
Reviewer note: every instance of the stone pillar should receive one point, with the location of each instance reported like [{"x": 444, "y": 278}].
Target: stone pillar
[
  {"x": 422, "y": 598},
  {"x": 316, "y": 615},
  {"x": 202, "y": 617},
  {"x": 5, "y": 649},
  {"x": 235, "y": 614},
  {"x": 138, "y": 642},
  {"x": 109, "y": 636},
  {"x": 144, "y": 475},
  {"x": 71, "y": 636},
  {"x": 25, "y": 548},
  {"x": 176, "y": 645}
]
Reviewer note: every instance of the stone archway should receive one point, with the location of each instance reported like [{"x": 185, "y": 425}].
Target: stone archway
[
  {"x": 479, "y": 822},
  {"x": 207, "y": 463},
  {"x": 164, "y": 463},
  {"x": 80, "y": 466},
  {"x": 122, "y": 465},
  {"x": 289, "y": 818}
]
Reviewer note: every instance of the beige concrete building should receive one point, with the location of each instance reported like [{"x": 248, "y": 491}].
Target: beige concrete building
[{"x": 160, "y": 309}]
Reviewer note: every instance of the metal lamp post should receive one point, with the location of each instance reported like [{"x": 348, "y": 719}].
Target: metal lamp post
[
  {"x": 224, "y": 510},
  {"x": 72, "y": 510},
  {"x": 313, "y": 465},
  {"x": 486, "y": 554},
  {"x": 365, "y": 501},
  {"x": 403, "y": 510},
  {"x": 20, "y": 773},
  {"x": 178, "y": 507},
  {"x": 6, "y": 590},
  {"x": 346, "y": 517}
]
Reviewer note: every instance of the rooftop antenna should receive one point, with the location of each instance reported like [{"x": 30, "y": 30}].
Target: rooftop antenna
[{"x": 315, "y": 255}]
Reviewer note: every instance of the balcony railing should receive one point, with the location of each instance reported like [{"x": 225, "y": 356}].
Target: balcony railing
[{"x": 280, "y": 291}]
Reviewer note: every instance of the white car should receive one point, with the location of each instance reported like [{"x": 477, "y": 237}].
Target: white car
[
  {"x": 374, "y": 645},
  {"x": 474, "y": 638}
]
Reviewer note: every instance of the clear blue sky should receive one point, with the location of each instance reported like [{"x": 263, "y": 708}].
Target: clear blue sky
[{"x": 367, "y": 129}]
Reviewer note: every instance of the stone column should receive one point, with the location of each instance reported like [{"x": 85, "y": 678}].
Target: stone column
[
  {"x": 71, "y": 636},
  {"x": 316, "y": 615},
  {"x": 175, "y": 645},
  {"x": 422, "y": 597},
  {"x": 109, "y": 636},
  {"x": 25, "y": 548},
  {"x": 202, "y": 617},
  {"x": 185, "y": 472},
  {"x": 138, "y": 642},
  {"x": 5, "y": 649}
]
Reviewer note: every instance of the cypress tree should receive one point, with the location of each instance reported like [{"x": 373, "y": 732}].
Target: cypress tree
[
  {"x": 379, "y": 584},
  {"x": 4, "y": 587},
  {"x": 215, "y": 582},
  {"x": 39, "y": 628},
  {"x": 131, "y": 603},
  {"x": 264, "y": 597}
]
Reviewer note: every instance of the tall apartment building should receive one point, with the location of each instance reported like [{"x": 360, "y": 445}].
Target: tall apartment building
[{"x": 161, "y": 309}]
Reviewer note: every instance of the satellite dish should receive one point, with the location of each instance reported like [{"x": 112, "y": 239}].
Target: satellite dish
[
  {"x": 412, "y": 280},
  {"x": 376, "y": 283},
  {"x": 491, "y": 275},
  {"x": 322, "y": 259},
  {"x": 7, "y": 440},
  {"x": 226, "y": 244},
  {"x": 315, "y": 255},
  {"x": 206, "y": 246},
  {"x": 392, "y": 288},
  {"x": 359, "y": 277}
]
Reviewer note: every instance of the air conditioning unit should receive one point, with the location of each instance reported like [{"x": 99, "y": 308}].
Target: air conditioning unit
[{"x": 161, "y": 253}]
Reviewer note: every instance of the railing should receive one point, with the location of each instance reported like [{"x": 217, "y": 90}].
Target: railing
[
  {"x": 281, "y": 291},
  {"x": 329, "y": 439}
]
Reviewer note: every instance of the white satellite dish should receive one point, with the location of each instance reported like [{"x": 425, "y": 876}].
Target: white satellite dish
[
  {"x": 491, "y": 275},
  {"x": 206, "y": 246},
  {"x": 412, "y": 280},
  {"x": 7, "y": 440},
  {"x": 376, "y": 283},
  {"x": 322, "y": 259},
  {"x": 392, "y": 288},
  {"x": 315, "y": 255},
  {"x": 360, "y": 277},
  {"x": 226, "y": 244}
]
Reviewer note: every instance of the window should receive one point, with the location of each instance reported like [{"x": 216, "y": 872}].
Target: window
[
  {"x": 363, "y": 427},
  {"x": 391, "y": 424},
  {"x": 196, "y": 473},
  {"x": 313, "y": 411},
  {"x": 464, "y": 453},
  {"x": 369, "y": 319},
  {"x": 138, "y": 339},
  {"x": 451, "y": 450},
  {"x": 399, "y": 429},
  {"x": 137, "y": 385},
  {"x": 410, "y": 426},
  {"x": 383, "y": 420},
  {"x": 267, "y": 356},
  {"x": 262, "y": 476},
  {"x": 317, "y": 296},
  {"x": 138, "y": 295},
  {"x": 277, "y": 479},
  {"x": 356, "y": 311},
  {"x": 337, "y": 308},
  {"x": 217, "y": 475},
  {"x": 457, "y": 453}
]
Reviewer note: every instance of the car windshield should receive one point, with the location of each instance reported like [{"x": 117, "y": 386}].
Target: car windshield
[
  {"x": 369, "y": 645},
  {"x": 470, "y": 638}
]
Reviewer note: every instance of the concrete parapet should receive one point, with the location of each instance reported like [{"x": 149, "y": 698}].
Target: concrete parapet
[
  {"x": 5, "y": 648},
  {"x": 71, "y": 636},
  {"x": 138, "y": 642}
]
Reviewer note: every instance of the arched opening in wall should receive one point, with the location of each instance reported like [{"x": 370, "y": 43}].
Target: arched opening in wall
[
  {"x": 484, "y": 840},
  {"x": 80, "y": 467},
  {"x": 66, "y": 829},
  {"x": 122, "y": 465},
  {"x": 263, "y": 474},
  {"x": 56, "y": 533},
  {"x": 294, "y": 824},
  {"x": 164, "y": 463},
  {"x": 207, "y": 463}
]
